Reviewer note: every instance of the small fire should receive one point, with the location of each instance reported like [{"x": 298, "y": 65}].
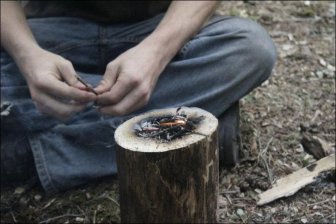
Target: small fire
[{"x": 167, "y": 127}]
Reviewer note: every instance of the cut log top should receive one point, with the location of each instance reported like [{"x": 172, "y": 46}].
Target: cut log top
[{"x": 126, "y": 138}]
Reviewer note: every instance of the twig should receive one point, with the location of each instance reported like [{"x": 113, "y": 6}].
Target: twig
[
  {"x": 111, "y": 199},
  {"x": 332, "y": 214},
  {"x": 94, "y": 216},
  {"x": 85, "y": 84},
  {"x": 269, "y": 173},
  {"x": 230, "y": 192},
  {"x": 49, "y": 203},
  {"x": 267, "y": 146},
  {"x": 83, "y": 213},
  {"x": 60, "y": 216},
  {"x": 227, "y": 197},
  {"x": 107, "y": 197},
  {"x": 262, "y": 156},
  {"x": 13, "y": 216},
  {"x": 293, "y": 182},
  {"x": 320, "y": 202},
  {"x": 81, "y": 210}
]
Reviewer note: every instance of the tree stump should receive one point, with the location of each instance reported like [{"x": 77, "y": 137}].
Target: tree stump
[{"x": 171, "y": 181}]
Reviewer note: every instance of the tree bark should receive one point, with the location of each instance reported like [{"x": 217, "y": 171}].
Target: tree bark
[{"x": 171, "y": 182}]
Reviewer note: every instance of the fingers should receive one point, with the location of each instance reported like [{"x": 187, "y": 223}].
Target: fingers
[
  {"x": 69, "y": 74},
  {"x": 61, "y": 90},
  {"x": 69, "y": 90},
  {"x": 53, "y": 85},
  {"x": 121, "y": 88},
  {"x": 50, "y": 106},
  {"x": 109, "y": 78},
  {"x": 133, "y": 101}
]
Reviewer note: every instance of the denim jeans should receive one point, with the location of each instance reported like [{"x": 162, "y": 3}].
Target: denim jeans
[{"x": 227, "y": 59}]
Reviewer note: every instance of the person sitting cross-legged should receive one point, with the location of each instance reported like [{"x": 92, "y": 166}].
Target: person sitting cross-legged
[{"x": 138, "y": 56}]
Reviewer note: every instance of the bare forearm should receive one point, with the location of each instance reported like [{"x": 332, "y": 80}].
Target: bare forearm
[
  {"x": 16, "y": 36},
  {"x": 182, "y": 21},
  {"x": 50, "y": 78}
]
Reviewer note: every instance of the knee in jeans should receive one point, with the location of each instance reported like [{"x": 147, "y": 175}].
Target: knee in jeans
[
  {"x": 258, "y": 45},
  {"x": 252, "y": 42}
]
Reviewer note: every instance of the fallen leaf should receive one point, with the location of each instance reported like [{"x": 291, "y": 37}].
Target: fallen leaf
[
  {"x": 19, "y": 190},
  {"x": 37, "y": 197},
  {"x": 240, "y": 212},
  {"x": 88, "y": 195},
  {"x": 330, "y": 67},
  {"x": 287, "y": 47},
  {"x": 319, "y": 74},
  {"x": 307, "y": 3},
  {"x": 323, "y": 62},
  {"x": 79, "y": 219}
]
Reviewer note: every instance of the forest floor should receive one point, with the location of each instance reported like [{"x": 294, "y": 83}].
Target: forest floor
[{"x": 300, "y": 93}]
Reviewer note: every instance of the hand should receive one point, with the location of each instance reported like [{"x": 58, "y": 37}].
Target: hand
[
  {"x": 53, "y": 85},
  {"x": 129, "y": 80}
]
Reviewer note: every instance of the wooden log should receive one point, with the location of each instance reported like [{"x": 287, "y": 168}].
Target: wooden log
[{"x": 174, "y": 181}]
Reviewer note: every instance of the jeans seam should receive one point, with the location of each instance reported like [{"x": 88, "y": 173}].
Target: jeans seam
[
  {"x": 184, "y": 50},
  {"x": 41, "y": 167}
]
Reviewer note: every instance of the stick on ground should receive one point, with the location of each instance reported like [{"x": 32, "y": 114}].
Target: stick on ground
[{"x": 291, "y": 183}]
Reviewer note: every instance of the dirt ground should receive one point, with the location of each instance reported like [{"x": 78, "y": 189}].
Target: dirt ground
[{"x": 301, "y": 93}]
